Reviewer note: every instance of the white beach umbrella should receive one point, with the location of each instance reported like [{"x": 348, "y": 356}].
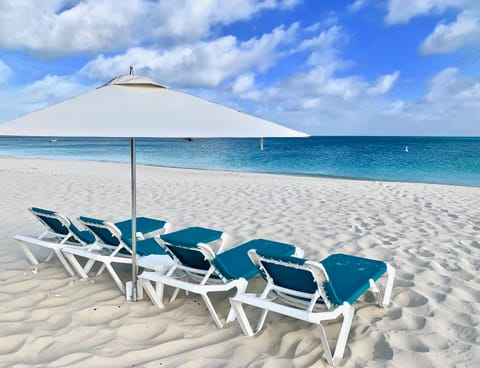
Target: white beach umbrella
[{"x": 135, "y": 106}]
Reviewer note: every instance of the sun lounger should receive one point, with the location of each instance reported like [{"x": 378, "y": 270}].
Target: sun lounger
[
  {"x": 200, "y": 270},
  {"x": 314, "y": 291},
  {"x": 59, "y": 231},
  {"x": 114, "y": 247}
]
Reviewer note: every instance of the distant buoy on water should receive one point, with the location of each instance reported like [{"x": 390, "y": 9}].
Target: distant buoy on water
[{"x": 406, "y": 148}]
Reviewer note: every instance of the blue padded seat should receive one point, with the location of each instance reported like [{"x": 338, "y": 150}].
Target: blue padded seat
[
  {"x": 149, "y": 247},
  {"x": 191, "y": 236},
  {"x": 349, "y": 276},
  {"x": 235, "y": 263},
  {"x": 145, "y": 225}
]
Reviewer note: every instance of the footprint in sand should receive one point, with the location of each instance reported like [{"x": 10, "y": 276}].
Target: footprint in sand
[
  {"x": 463, "y": 332},
  {"x": 411, "y": 299},
  {"x": 382, "y": 350},
  {"x": 425, "y": 253}
]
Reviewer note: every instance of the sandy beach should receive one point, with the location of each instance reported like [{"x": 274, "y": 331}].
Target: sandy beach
[{"x": 429, "y": 233}]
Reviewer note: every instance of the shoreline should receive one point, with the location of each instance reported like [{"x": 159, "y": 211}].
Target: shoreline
[{"x": 301, "y": 175}]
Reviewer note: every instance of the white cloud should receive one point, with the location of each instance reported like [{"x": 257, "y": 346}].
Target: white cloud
[
  {"x": 204, "y": 64},
  {"x": 394, "y": 108},
  {"x": 383, "y": 84},
  {"x": 5, "y": 72},
  {"x": 449, "y": 37},
  {"x": 402, "y": 11},
  {"x": 88, "y": 26},
  {"x": 49, "y": 90},
  {"x": 323, "y": 41},
  {"x": 288, "y": 4},
  {"x": 190, "y": 20},
  {"x": 318, "y": 87},
  {"x": 243, "y": 83},
  {"x": 320, "y": 102},
  {"x": 62, "y": 27},
  {"x": 357, "y": 5},
  {"x": 446, "y": 36},
  {"x": 449, "y": 87},
  {"x": 324, "y": 49},
  {"x": 450, "y": 107},
  {"x": 320, "y": 84}
]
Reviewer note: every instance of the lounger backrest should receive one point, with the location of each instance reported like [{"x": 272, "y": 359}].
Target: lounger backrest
[
  {"x": 297, "y": 275},
  {"x": 112, "y": 237},
  {"x": 235, "y": 263},
  {"x": 105, "y": 231},
  {"x": 53, "y": 221},
  {"x": 61, "y": 225},
  {"x": 188, "y": 255}
]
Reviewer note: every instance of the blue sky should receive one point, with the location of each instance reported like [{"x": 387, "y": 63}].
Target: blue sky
[{"x": 327, "y": 67}]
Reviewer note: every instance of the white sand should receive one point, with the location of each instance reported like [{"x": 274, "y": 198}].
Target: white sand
[{"x": 430, "y": 233}]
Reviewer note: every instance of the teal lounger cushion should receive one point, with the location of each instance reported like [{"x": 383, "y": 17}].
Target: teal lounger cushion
[
  {"x": 145, "y": 225},
  {"x": 349, "y": 276},
  {"x": 149, "y": 247},
  {"x": 235, "y": 262},
  {"x": 191, "y": 236}
]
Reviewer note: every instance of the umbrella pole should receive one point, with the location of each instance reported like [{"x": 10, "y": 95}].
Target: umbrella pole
[{"x": 134, "y": 219}]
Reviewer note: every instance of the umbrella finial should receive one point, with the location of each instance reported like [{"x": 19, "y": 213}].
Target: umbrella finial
[{"x": 131, "y": 70}]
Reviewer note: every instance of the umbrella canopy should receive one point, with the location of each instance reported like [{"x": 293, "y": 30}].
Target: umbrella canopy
[{"x": 135, "y": 106}]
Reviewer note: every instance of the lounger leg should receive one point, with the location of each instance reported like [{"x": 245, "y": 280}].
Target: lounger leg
[
  {"x": 49, "y": 257},
  {"x": 326, "y": 347},
  {"x": 100, "y": 270},
  {"x": 262, "y": 319},
  {"x": 76, "y": 265},
  {"x": 151, "y": 292},
  {"x": 241, "y": 287},
  {"x": 344, "y": 332},
  {"x": 242, "y": 318},
  {"x": 88, "y": 266},
  {"x": 389, "y": 285},
  {"x": 212, "y": 310},
  {"x": 384, "y": 301},
  {"x": 159, "y": 289},
  {"x": 115, "y": 277},
  {"x": 174, "y": 295},
  {"x": 65, "y": 264},
  {"x": 28, "y": 253},
  {"x": 376, "y": 291}
]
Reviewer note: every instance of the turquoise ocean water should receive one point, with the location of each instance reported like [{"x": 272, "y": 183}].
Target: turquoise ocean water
[{"x": 411, "y": 159}]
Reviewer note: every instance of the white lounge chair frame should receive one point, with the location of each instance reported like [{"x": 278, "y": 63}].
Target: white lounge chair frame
[
  {"x": 313, "y": 308},
  {"x": 109, "y": 255},
  {"x": 55, "y": 248},
  {"x": 192, "y": 280}
]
